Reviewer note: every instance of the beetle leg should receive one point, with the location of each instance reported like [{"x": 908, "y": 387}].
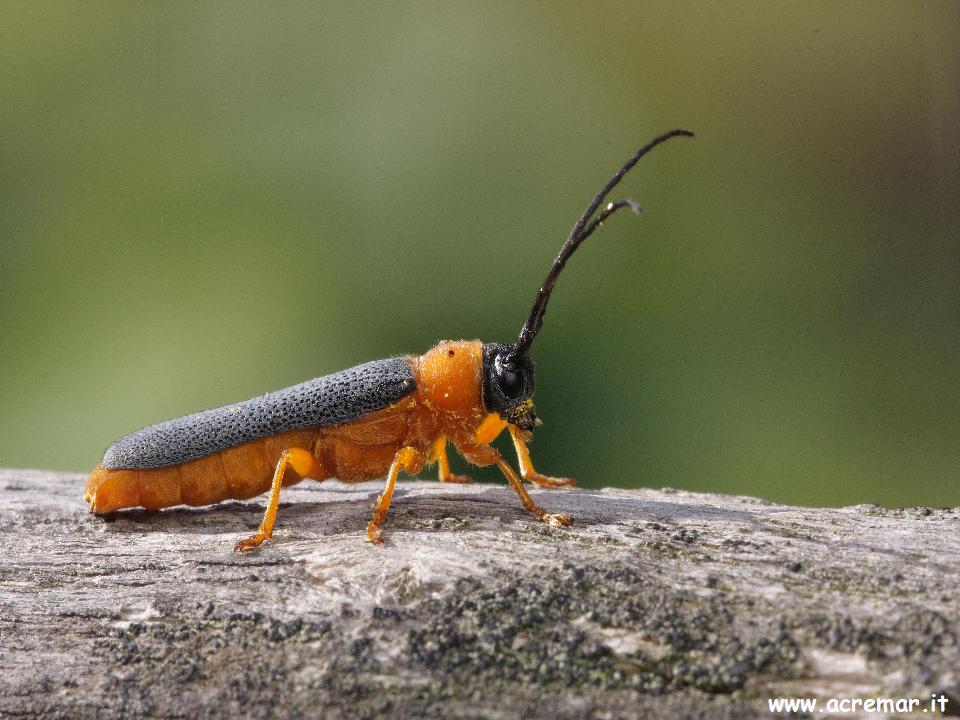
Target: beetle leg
[
  {"x": 301, "y": 462},
  {"x": 405, "y": 458},
  {"x": 552, "y": 519},
  {"x": 440, "y": 455},
  {"x": 526, "y": 465}
]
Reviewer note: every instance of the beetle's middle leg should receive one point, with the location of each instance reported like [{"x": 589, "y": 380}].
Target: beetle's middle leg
[
  {"x": 527, "y": 471},
  {"x": 406, "y": 459},
  {"x": 439, "y": 454},
  {"x": 301, "y": 462}
]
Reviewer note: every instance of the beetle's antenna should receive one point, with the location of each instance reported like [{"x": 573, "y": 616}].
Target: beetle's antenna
[{"x": 580, "y": 232}]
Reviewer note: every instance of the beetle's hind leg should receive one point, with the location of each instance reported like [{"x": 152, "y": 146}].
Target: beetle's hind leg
[
  {"x": 439, "y": 455},
  {"x": 527, "y": 471},
  {"x": 299, "y": 461}
]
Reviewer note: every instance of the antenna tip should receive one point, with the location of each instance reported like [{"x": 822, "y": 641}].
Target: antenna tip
[{"x": 612, "y": 207}]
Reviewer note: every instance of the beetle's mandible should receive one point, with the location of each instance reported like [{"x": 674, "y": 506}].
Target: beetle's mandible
[{"x": 372, "y": 420}]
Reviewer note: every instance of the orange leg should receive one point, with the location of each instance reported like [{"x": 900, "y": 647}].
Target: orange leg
[
  {"x": 552, "y": 519},
  {"x": 301, "y": 462},
  {"x": 440, "y": 455},
  {"x": 526, "y": 465},
  {"x": 406, "y": 458}
]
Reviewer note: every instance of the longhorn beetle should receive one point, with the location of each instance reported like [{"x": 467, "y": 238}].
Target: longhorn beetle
[{"x": 358, "y": 424}]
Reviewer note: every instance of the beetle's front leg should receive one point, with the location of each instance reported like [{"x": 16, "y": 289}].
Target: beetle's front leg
[
  {"x": 486, "y": 455},
  {"x": 527, "y": 471}
]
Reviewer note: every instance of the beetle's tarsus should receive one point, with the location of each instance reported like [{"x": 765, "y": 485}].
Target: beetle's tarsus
[
  {"x": 248, "y": 544},
  {"x": 557, "y": 519},
  {"x": 458, "y": 479},
  {"x": 374, "y": 533},
  {"x": 545, "y": 481}
]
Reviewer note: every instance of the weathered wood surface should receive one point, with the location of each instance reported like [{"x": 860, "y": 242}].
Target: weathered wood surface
[{"x": 659, "y": 603}]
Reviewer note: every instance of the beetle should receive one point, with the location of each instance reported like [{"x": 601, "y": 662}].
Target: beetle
[{"x": 371, "y": 420}]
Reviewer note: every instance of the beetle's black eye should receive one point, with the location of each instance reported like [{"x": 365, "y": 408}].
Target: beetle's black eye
[{"x": 510, "y": 381}]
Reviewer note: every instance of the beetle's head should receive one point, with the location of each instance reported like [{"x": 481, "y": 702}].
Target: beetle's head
[{"x": 508, "y": 385}]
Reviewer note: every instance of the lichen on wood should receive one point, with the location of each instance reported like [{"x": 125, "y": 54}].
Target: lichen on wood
[{"x": 656, "y": 602}]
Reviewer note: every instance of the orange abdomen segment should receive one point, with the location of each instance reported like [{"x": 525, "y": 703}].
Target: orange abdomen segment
[
  {"x": 240, "y": 472},
  {"x": 363, "y": 450},
  {"x": 109, "y": 490}
]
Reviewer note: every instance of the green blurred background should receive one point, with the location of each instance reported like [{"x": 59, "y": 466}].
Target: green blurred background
[{"x": 201, "y": 202}]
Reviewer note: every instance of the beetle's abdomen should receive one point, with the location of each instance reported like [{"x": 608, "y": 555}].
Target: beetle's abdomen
[
  {"x": 239, "y": 473},
  {"x": 352, "y": 452},
  {"x": 327, "y": 401}
]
